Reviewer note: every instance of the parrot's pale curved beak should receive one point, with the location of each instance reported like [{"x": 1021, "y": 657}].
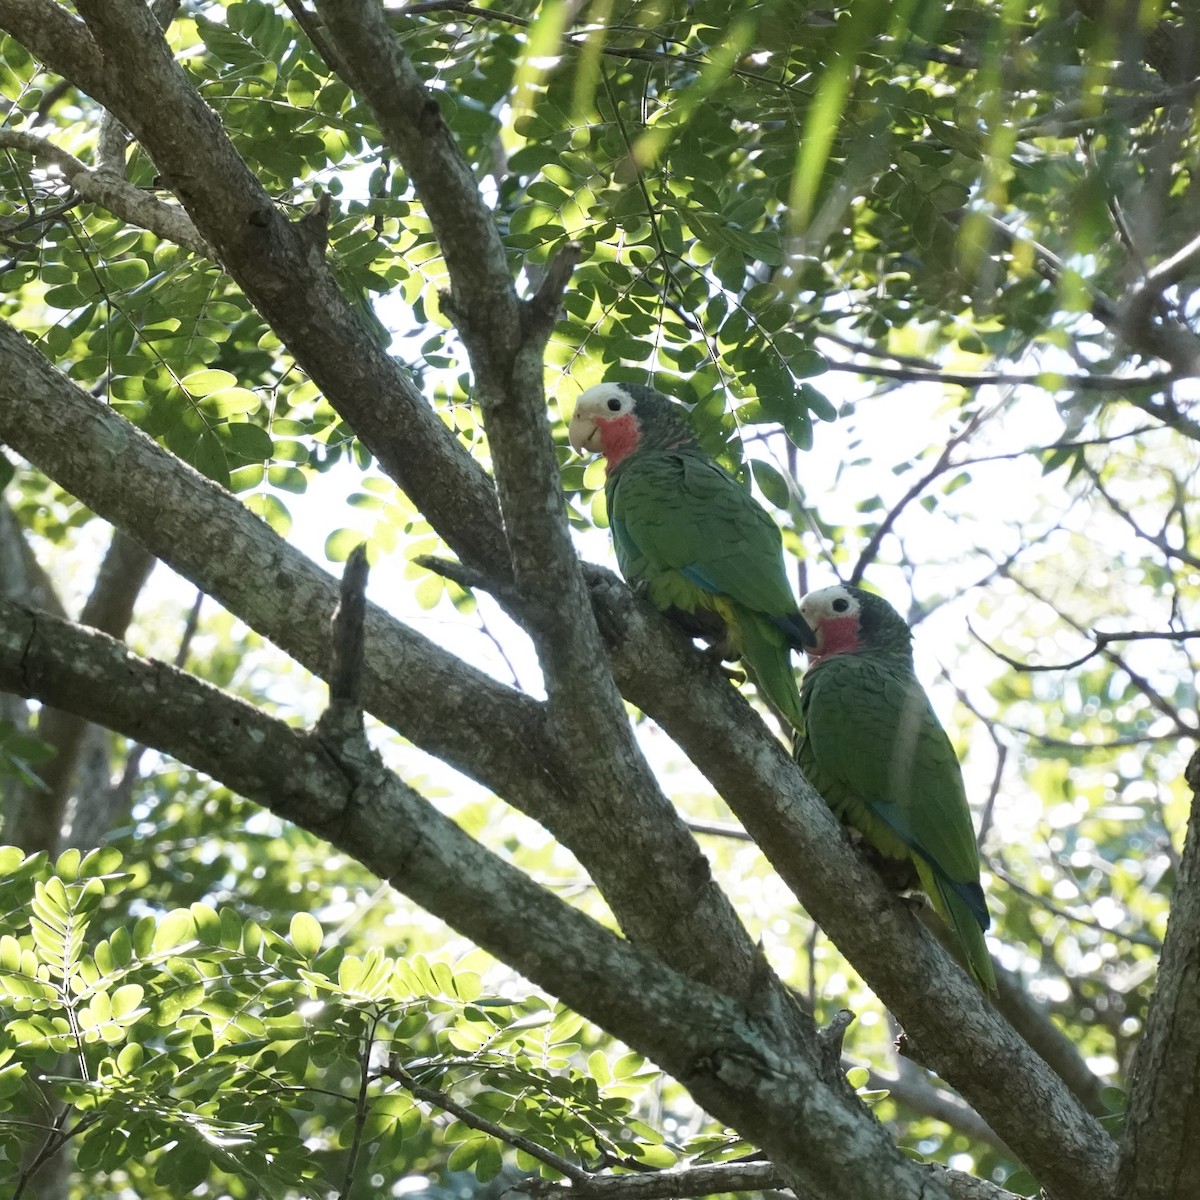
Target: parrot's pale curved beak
[{"x": 584, "y": 435}]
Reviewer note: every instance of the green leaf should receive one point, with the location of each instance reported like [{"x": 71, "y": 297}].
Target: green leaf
[
  {"x": 340, "y": 543},
  {"x": 305, "y": 934},
  {"x": 772, "y": 484},
  {"x": 126, "y": 999},
  {"x": 465, "y": 1154},
  {"x": 208, "y": 382},
  {"x": 173, "y": 931},
  {"x": 858, "y": 1077},
  {"x": 232, "y": 401},
  {"x": 248, "y": 441}
]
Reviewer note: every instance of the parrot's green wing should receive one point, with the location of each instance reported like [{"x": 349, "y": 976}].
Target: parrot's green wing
[
  {"x": 680, "y": 511},
  {"x": 876, "y": 751}
]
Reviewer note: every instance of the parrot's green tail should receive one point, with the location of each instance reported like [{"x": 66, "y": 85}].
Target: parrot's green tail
[
  {"x": 958, "y": 915},
  {"x": 770, "y": 662}
]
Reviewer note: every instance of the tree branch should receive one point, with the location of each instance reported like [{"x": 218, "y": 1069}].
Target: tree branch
[
  {"x": 718, "y": 1178},
  {"x": 483, "y": 301},
  {"x": 22, "y": 577},
  {"x": 58, "y": 38},
  {"x": 346, "y": 662},
  {"x": 35, "y": 821},
  {"x": 104, "y": 804},
  {"x": 113, "y": 193},
  {"x": 598, "y": 761},
  {"x": 1101, "y": 641},
  {"x": 682, "y": 1184},
  {"x": 960, "y": 1036},
  {"x": 940, "y": 466},
  {"x": 1157, "y": 540},
  {"x": 271, "y": 258},
  {"x": 1053, "y": 381},
  {"x": 730, "y": 1060},
  {"x": 1160, "y": 1152}
]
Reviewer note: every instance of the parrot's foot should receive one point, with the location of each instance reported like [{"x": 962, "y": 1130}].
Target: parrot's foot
[
  {"x": 898, "y": 874},
  {"x": 718, "y": 652}
]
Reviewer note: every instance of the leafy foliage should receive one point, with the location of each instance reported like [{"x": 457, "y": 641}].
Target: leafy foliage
[
  {"x": 776, "y": 204},
  {"x": 196, "y": 1045}
]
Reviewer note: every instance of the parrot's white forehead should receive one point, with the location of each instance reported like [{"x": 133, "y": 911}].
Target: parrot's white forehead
[
  {"x": 835, "y": 601},
  {"x": 599, "y": 399}
]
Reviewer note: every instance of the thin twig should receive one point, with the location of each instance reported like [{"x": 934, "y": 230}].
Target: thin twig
[
  {"x": 541, "y": 310},
  {"x": 361, "y": 1108},
  {"x": 1102, "y": 642},
  {"x": 1138, "y": 938},
  {"x": 518, "y": 1141},
  {"x": 1157, "y": 540},
  {"x": 1140, "y": 682},
  {"x": 1054, "y": 381},
  {"x": 942, "y": 465}
]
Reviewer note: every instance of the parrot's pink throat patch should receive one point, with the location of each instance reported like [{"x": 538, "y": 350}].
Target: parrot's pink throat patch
[
  {"x": 837, "y": 635},
  {"x": 619, "y": 437}
]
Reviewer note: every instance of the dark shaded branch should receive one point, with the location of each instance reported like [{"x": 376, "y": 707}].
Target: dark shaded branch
[
  {"x": 718, "y": 1178},
  {"x": 22, "y": 577},
  {"x": 36, "y": 821},
  {"x": 681, "y": 1184},
  {"x": 1160, "y": 1152},
  {"x": 345, "y": 675},
  {"x": 100, "y": 808}
]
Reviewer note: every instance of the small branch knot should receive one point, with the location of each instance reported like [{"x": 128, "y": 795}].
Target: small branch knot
[{"x": 830, "y": 1038}]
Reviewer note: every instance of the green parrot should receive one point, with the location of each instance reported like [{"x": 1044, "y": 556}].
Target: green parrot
[
  {"x": 688, "y": 534},
  {"x": 874, "y": 750}
]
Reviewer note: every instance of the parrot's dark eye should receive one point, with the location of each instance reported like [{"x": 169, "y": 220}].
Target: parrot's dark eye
[
  {"x": 614, "y": 405},
  {"x": 841, "y": 604}
]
